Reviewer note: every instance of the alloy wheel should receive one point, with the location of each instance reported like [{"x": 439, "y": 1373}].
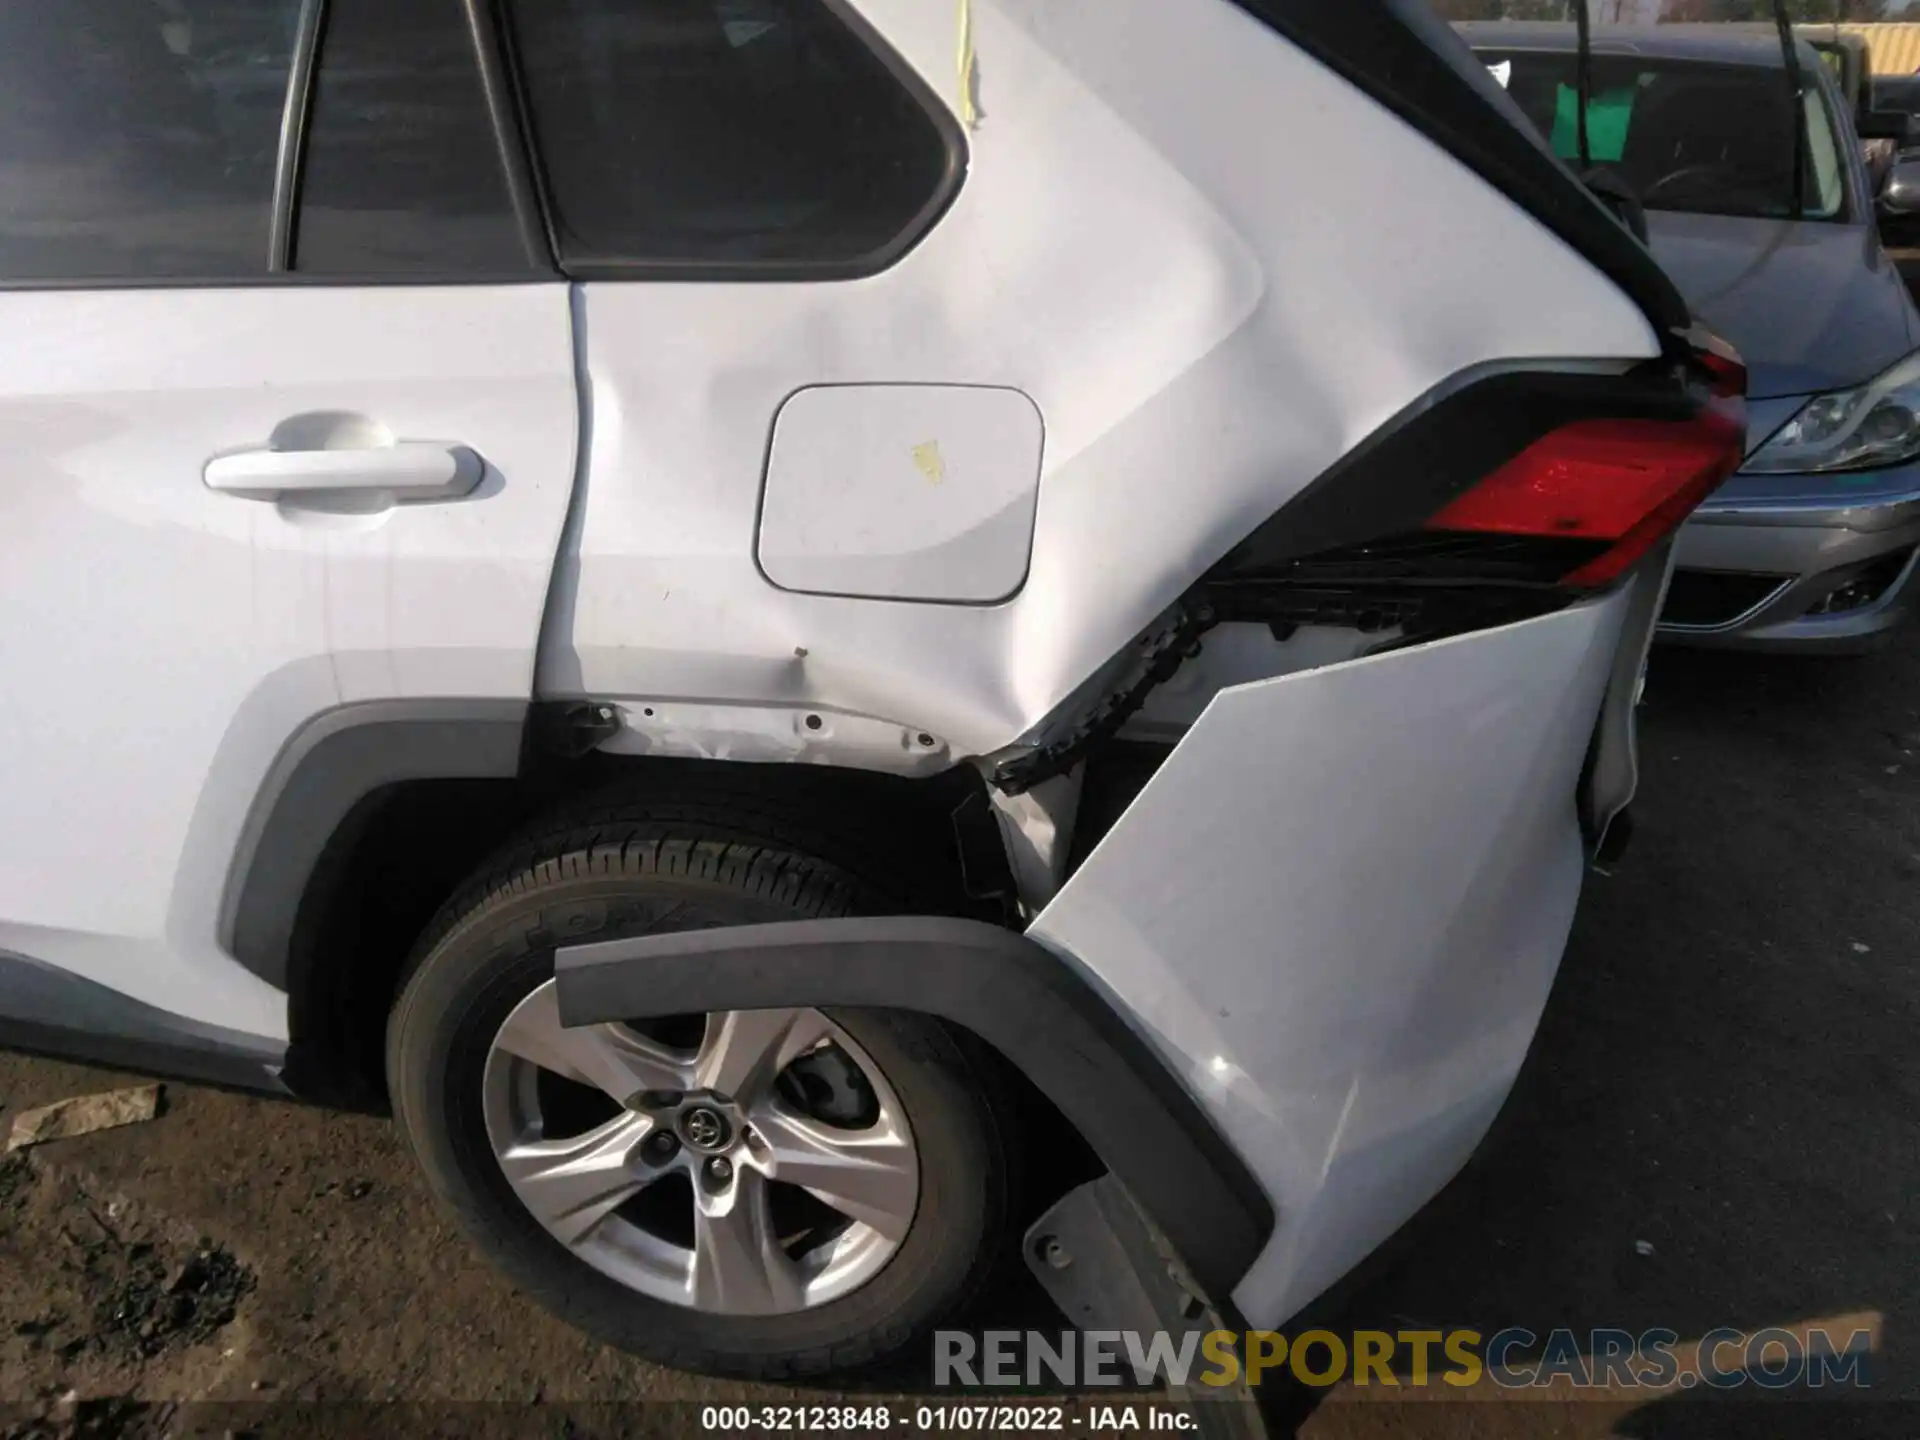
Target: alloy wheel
[{"x": 748, "y": 1162}]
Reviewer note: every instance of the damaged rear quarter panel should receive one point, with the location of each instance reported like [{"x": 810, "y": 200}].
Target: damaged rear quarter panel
[{"x": 1193, "y": 281}]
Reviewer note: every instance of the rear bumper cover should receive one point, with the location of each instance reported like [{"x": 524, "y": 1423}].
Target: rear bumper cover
[
  {"x": 1285, "y": 996},
  {"x": 1338, "y": 907}
]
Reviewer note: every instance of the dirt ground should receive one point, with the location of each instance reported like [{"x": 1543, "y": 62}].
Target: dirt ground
[{"x": 1717, "y": 1127}]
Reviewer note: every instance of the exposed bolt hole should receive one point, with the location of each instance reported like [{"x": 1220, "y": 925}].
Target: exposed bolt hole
[
  {"x": 1050, "y": 1250},
  {"x": 814, "y": 722},
  {"x": 926, "y": 739}
]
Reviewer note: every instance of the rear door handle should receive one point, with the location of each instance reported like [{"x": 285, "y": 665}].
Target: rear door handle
[{"x": 408, "y": 470}]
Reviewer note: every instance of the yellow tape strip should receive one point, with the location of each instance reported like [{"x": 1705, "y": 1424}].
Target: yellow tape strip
[{"x": 969, "y": 113}]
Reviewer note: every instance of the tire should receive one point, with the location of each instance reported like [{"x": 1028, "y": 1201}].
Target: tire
[{"x": 636, "y": 868}]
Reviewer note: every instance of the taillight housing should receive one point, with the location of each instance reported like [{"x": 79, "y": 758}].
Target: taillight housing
[
  {"x": 1507, "y": 498},
  {"x": 1622, "y": 483},
  {"x": 1627, "y": 482},
  {"x": 1713, "y": 357}
]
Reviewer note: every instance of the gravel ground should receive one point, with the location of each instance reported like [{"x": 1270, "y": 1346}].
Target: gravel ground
[{"x": 1716, "y": 1128}]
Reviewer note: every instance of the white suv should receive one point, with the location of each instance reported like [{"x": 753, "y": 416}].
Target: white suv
[{"x": 722, "y": 600}]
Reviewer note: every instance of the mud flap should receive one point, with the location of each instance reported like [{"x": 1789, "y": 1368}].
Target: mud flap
[
  {"x": 1110, "y": 1268},
  {"x": 1338, "y": 907}
]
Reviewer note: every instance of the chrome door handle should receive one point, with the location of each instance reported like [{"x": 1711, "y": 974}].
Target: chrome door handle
[{"x": 409, "y": 470}]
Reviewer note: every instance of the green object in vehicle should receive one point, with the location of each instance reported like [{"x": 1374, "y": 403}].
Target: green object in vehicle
[{"x": 1608, "y": 116}]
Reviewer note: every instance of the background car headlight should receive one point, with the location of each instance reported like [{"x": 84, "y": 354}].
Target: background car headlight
[{"x": 1876, "y": 424}]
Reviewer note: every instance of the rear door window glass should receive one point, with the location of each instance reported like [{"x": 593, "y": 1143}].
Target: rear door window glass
[
  {"x": 138, "y": 137},
  {"x": 403, "y": 173},
  {"x": 724, "y": 132}
]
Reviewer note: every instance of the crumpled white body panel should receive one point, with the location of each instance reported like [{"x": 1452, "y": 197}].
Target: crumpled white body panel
[
  {"x": 1338, "y": 908},
  {"x": 1171, "y": 238}
]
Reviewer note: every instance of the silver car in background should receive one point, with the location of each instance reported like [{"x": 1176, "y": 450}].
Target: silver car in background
[{"x": 1811, "y": 546}]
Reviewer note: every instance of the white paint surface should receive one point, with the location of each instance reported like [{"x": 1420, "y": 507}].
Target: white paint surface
[
  {"x": 163, "y": 640},
  {"x": 1171, "y": 238},
  {"x": 1337, "y": 910},
  {"x": 1338, "y": 907}
]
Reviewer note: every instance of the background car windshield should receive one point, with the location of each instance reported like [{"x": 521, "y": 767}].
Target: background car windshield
[{"x": 1713, "y": 139}]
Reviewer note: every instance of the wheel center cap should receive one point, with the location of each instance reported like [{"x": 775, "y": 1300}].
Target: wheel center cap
[{"x": 705, "y": 1128}]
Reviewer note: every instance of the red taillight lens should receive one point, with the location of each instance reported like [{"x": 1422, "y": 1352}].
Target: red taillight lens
[{"x": 1629, "y": 482}]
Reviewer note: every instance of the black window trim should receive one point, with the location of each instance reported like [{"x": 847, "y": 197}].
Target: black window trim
[
  {"x": 290, "y": 160},
  {"x": 283, "y": 280},
  {"x": 505, "y": 108},
  {"x": 506, "y": 118},
  {"x": 856, "y": 267}
]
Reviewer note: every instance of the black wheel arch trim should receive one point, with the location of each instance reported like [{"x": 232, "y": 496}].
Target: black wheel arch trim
[
  {"x": 329, "y": 766},
  {"x": 1409, "y": 60},
  {"x": 1029, "y": 1003}
]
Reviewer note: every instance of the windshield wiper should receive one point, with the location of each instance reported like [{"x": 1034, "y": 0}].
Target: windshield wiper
[
  {"x": 1797, "y": 84},
  {"x": 1583, "y": 81},
  {"x": 1609, "y": 185}
]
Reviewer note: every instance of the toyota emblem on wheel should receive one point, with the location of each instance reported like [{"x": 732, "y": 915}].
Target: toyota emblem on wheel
[{"x": 705, "y": 1128}]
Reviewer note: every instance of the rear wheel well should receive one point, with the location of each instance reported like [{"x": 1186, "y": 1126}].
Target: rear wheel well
[{"x": 405, "y": 848}]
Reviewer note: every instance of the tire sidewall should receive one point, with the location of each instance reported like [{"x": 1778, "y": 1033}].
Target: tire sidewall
[{"x": 461, "y": 992}]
